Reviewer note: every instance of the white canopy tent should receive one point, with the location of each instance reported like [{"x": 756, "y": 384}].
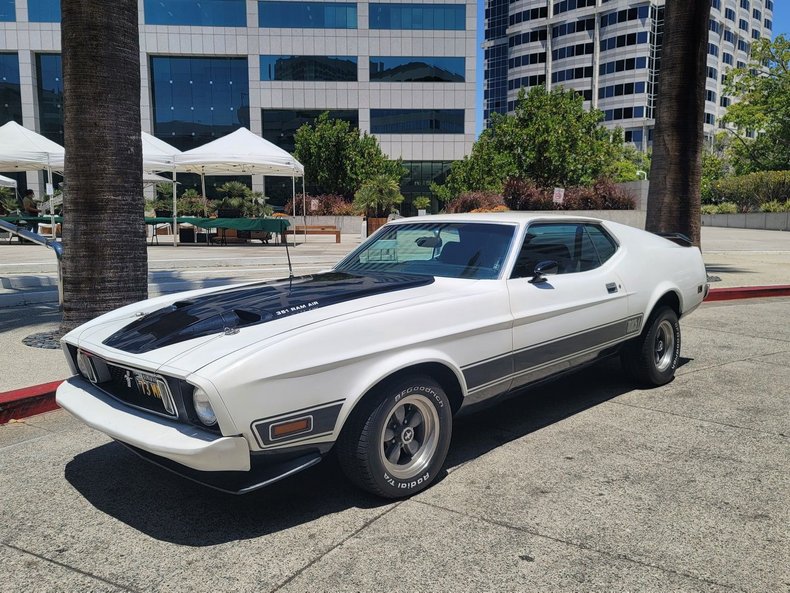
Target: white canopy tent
[
  {"x": 160, "y": 156},
  {"x": 7, "y": 181},
  {"x": 241, "y": 153},
  {"x": 25, "y": 150}
]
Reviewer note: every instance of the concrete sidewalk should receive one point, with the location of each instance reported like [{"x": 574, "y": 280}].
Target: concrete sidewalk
[{"x": 27, "y": 277}]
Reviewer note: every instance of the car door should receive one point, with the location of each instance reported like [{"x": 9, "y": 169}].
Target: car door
[{"x": 568, "y": 318}]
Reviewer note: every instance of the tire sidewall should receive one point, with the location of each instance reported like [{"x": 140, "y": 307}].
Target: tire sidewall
[
  {"x": 433, "y": 393},
  {"x": 661, "y": 377}
]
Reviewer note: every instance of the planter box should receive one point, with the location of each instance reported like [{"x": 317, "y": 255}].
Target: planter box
[{"x": 769, "y": 221}]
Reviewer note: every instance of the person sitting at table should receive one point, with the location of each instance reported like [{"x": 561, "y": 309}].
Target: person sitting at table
[{"x": 29, "y": 208}]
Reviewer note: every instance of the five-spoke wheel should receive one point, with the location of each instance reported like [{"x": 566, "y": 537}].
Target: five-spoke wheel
[{"x": 396, "y": 440}]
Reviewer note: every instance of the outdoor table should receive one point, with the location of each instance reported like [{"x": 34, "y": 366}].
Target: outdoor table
[{"x": 271, "y": 225}]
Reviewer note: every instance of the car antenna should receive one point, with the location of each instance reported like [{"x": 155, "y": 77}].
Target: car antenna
[{"x": 288, "y": 255}]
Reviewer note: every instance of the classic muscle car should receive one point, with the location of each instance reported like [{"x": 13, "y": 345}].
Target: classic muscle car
[{"x": 239, "y": 386}]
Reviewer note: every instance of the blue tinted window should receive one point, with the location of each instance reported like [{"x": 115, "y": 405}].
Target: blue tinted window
[
  {"x": 10, "y": 93},
  {"x": 43, "y": 11},
  {"x": 196, "y": 100},
  {"x": 309, "y": 68},
  {"x": 50, "y": 96},
  {"x": 307, "y": 15},
  {"x": 441, "y": 17},
  {"x": 280, "y": 125},
  {"x": 407, "y": 69},
  {"x": 7, "y": 10},
  {"x": 417, "y": 121},
  {"x": 197, "y": 13}
]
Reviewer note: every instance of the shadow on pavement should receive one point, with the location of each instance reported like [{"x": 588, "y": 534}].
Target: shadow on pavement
[
  {"x": 28, "y": 315},
  {"x": 173, "y": 509},
  {"x": 726, "y": 269}
]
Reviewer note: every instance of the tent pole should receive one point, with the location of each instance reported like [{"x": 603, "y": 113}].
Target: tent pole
[
  {"x": 304, "y": 209},
  {"x": 203, "y": 189},
  {"x": 51, "y": 208},
  {"x": 175, "y": 213}
]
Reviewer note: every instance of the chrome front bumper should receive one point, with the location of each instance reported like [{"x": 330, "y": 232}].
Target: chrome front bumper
[{"x": 182, "y": 443}]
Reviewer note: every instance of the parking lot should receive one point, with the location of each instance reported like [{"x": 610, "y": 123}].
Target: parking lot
[{"x": 581, "y": 485}]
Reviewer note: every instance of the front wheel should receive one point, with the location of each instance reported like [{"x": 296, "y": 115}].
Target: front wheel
[
  {"x": 395, "y": 443},
  {"x": 653, "y": 357}
]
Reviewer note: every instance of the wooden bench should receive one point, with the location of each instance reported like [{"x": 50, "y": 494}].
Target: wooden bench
[{"x": 314, "y": 229}]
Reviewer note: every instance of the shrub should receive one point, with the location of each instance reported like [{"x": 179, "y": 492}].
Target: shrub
[
  {"x": 775, "y": 206},
  {"x": 501, "y": 208},
  {"x": 328, "y": 205},
  {"x": 191, "y": 203},
  {"x": 524, "y": 194},
  {"x": 475, "y": 200},
  {"x": 749, "y": 192},
  {"x": 723, "y": 208}
]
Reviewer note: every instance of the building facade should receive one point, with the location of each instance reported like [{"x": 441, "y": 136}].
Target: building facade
[
  {"x": 610, "y": 52},
  {"x": 404, "y": 72}
]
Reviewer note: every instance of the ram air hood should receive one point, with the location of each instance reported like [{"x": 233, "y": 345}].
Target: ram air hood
[{"x": 235, "y": 308}]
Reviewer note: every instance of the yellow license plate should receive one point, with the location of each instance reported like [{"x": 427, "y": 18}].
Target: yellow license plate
[{"x": 148, "y": 385}]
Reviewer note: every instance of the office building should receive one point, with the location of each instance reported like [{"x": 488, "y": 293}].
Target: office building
[
  {"x": 404, "y": 72},
  {"x": 610, "y": 52}
]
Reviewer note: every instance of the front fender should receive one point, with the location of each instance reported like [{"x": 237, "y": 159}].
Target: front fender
[{"x": 388, "y": 366}]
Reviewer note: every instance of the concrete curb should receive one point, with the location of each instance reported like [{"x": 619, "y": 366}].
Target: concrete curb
[
  {"x": 29, "y": 401},
  {"x": 747, "y": 292}
]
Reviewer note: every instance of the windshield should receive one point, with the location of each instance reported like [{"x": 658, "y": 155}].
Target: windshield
[{"x": 453, "y": 250}]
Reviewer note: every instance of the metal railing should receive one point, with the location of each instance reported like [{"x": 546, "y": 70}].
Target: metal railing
[{"x": 53, "y": 244}]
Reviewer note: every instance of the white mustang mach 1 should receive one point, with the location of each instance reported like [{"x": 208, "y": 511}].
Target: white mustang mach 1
[{"x": 240, "y": 386}]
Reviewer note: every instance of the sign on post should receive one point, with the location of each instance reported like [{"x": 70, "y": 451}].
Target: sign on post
[{"x": 559, "y": 195}]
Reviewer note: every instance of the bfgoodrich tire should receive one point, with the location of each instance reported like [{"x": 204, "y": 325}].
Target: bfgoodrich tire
[
  {"x": 395, "y": 442},
  {"x": 653, "y": 357}
]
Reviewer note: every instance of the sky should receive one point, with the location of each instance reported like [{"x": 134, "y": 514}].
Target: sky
[{"x": 781, "y": 27}]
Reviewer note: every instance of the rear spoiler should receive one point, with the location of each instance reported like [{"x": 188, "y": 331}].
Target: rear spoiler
[{"x": 677, "y": 238}]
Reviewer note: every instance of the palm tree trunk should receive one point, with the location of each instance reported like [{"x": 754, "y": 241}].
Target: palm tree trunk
[
  {"x": 105, "y": 261},
  {"x": 674, "y": 199}
]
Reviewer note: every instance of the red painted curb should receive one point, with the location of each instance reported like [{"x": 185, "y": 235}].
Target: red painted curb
[
  {"x": 28, "y": 401},
  {"x": 747, "y": 292}
]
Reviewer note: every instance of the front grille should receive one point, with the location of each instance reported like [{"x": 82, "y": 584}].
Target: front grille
[{"x": 123, "y": 384}]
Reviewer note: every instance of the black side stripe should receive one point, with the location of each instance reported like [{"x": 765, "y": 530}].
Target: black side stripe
[{"x": 503, "y": 368}]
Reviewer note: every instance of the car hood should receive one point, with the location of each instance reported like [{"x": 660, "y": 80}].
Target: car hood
[{"x": 159, "y": 330}]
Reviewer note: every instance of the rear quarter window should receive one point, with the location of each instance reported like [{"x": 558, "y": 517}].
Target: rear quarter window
[{"x": 604, "y": 245}]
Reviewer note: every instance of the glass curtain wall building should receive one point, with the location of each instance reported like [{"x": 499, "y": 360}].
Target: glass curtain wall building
[
  {"x": 404, "y": 71},
  {"x": 610, "y": 52}
]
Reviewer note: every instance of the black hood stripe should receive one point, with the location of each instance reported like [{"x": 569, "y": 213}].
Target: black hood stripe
[{"x": 251, "y": 305}]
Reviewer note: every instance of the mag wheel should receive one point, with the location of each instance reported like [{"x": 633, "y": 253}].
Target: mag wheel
[
  {"x": 653, "y": 357},
  {"x": 396, "y": 441}
]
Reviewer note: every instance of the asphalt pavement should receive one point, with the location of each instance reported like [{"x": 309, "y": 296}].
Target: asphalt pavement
[{"x": 585, "y": 484}]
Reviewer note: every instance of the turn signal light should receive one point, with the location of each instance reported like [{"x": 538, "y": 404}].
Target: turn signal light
[{"x": 291, "y": 427}]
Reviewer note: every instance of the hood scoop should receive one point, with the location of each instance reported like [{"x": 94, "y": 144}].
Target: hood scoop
[{"x": 234, "y": 309}]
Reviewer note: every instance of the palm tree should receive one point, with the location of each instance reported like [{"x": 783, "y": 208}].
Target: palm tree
[
  {"x": 105, "y": 261},
  {"x": 674, "y": 199}
]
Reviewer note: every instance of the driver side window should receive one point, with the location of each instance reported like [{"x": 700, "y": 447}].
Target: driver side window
[{"x": 565, "y": 243}]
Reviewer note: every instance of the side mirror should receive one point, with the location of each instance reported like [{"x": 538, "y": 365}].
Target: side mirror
[{"x": 541, "y": 269}]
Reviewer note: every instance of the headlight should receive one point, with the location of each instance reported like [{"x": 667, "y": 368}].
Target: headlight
[{"x": 203, "y": 409}]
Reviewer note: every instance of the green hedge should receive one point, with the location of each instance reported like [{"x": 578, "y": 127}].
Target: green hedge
[{"x": 750, "y": 192}]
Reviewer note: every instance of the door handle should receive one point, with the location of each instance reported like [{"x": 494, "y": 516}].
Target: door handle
[{"x": 611, "y": 287}]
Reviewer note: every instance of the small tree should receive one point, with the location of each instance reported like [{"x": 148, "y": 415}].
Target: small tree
[
  {"x": 378, "y": 196},
  {"x": 338, "y": 159},
  {"x": 763, "y": 88},
  {"x": 551, "y": 139}
]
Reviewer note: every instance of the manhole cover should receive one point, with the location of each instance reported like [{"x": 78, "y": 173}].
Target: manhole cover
[{"x": 47, "y": 340}]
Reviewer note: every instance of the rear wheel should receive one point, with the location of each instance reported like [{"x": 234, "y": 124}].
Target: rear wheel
[
  {"x": 396, "y": 441},
  {"x": 653, "y": 357}
]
